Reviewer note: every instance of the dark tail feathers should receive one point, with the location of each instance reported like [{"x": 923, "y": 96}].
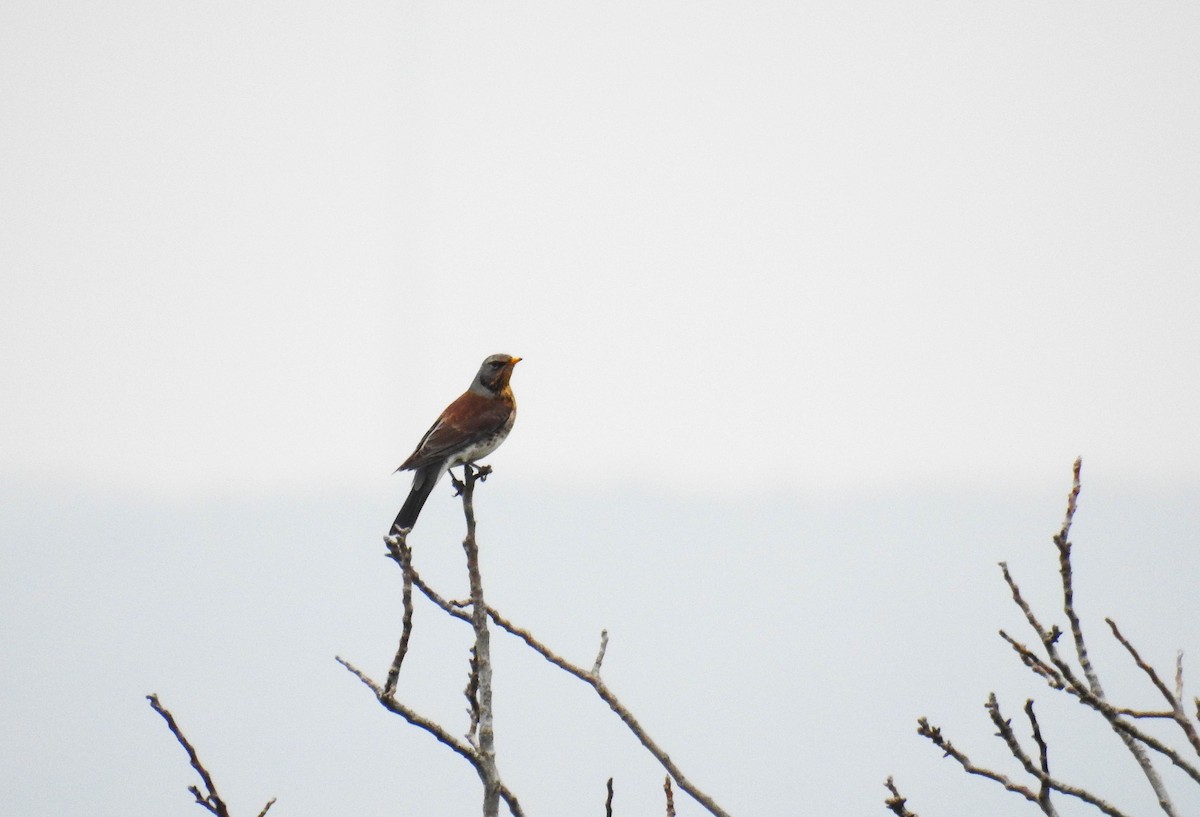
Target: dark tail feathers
[{"x": 423, "y": 482}]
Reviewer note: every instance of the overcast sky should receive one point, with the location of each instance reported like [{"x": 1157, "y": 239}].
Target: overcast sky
[{"x": 805, "y": 285}]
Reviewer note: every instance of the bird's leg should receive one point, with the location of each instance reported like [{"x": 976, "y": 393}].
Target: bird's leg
[
  {"x": 456, "y": 483},
  {"x": 471, "y": 472}
]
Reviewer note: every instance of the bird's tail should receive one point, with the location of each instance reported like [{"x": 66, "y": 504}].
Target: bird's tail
[{"x": 423, "y": 482}]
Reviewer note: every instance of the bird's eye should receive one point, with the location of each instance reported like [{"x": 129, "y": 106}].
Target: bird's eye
[{"x": 496, "y": 364}]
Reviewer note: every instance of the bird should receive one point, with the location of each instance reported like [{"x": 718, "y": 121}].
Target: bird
[{"x": 467, "y": 430}]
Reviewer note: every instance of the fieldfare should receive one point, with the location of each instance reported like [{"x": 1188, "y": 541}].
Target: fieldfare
[{"x": 469, "y": 429}]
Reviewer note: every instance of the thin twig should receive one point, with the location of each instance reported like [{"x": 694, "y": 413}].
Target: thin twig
[
  {"x": 1127, "y": 728},
  {"x": 600, "y": 655},
  {"x": 1005, "y": 732},
  {"x": 471, "y": 693},
  {"x": 591, "y": 679},
  {"x": 451, "y": 608},
  {"x": 935, "y": 736},
  {"x": 670, "y": 796},
  {"x": 606, "y": 695},
  {"x": 1039, "y": 667},
  {"x": 897, "y": 804},
  {"x": 439, "y": 732},
  {"x": 1129, "y": 734},
  {"x": 481, "y": 659},
  {"x": 1143, "y": 713},
  {"x": 608, "y": 798},
  {"x": 1088, "y": 689},
  {"x": 209, "y": 799},
  {"x": 1048, "y": 637},
  {"x": 1043, "y": 755},
  {"x": 1084, "y": 686},
  {"x": 1177, "y": 713},
  {"x": 401, "y": 553},
  {"x": 1179, "y": 676},
  {"x": 267, "y": 807},
  {"x": 1040, "y": 773},
  {"x": 459, "y": 610},
  {"x": 1063, "y": 543},
  {"x": 410, "y": 715},
  {"x": 1075, "y": 686}
]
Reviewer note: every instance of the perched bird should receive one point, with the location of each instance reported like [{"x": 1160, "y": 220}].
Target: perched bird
[{"x": 469, "y": 429}]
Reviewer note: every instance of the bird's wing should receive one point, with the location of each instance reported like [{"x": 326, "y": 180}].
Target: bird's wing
[{"x": 469, "y": 419}]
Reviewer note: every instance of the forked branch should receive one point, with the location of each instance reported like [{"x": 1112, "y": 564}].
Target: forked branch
[
  {"x": 897, "y": 803},
  {"x": 478, "y": 749},
  {"x": 1082, "y": 682},
  {"x": 209, "y": 797}
]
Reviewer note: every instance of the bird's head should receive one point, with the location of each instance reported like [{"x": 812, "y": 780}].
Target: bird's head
[{"x": 494, "y": 373}]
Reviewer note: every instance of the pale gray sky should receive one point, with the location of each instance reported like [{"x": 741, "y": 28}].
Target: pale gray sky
[
  {"x": 913, "y": 257},
  {"x": 880, "y": 243}
]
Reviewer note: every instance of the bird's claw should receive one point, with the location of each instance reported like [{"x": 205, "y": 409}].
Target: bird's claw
[{"x": 470, "y": 472}]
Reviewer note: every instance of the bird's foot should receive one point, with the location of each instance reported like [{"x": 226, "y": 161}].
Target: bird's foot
[{"x": 471, "y": 472}]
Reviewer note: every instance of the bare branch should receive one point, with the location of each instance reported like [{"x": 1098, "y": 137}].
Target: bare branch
[
  {"x": 1177, "y": 713},
  {"x": 481, "y": 657},
  {"x": 600, "y": 655},
  {"x": 1048, "y": 637},
  {"x": 472, "y": 695},
  {"x": 1043, "y": 755},
  {"x": 209, "y": 799},
  {"x": 1005, "y": 732},
  {"x": 592, "y": 679},
  {"x": 1041, "y": 772},
  {"x": 934, "y": 734},
  {"x": 1048, "y": 673},
  {"x": 1157, "y": 745},
  {"x": 267, "y": 807},
  {"x": 596, "y": 683},
  {"x": 1084, "y": 686},
  {"x": 896, "y": 803},
  {"x": 1179, "y": 676},
  {"x": 432, "y": 727},
  {"x": 670, "y": 796},
  {"x": 1090, "y": 691},
  {"x": 419, "y": 721},
  {"x": 451, "y": 608},
  {"x": 1143, "y": 713},
  {"x": 1063, "y": 543},
  {"x": 1072, "y": 500},
  {"x": 401, "y": 553},
  {"x": 1061, "y": 676},
  {"x": 589, "y": 678},
  {"x": 608, "y": 799},
  {"x": 477, "y": 612}
]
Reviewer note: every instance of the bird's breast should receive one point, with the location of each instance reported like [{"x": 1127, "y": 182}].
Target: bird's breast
[{"x": 481, "y": 448}]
